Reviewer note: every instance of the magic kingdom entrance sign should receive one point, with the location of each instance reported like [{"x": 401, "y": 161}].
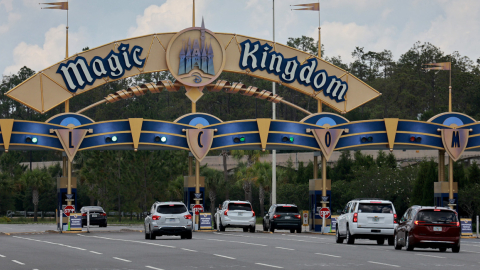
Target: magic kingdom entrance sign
[{"x": 195, "y": 57}]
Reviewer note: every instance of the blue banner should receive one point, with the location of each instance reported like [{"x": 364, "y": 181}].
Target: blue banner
[
  {"x": 205, "y": 222},
  {"x": 466, "y": 225}
]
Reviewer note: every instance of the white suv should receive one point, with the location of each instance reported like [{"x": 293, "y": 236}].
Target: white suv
[
  {"x": 373, "y": 219},
  {"x": 236, "y": 214},
  {"x": 168, "y": 218}
]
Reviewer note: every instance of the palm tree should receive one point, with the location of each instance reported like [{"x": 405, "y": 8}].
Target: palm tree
[
  {"x": 213, "y": 179},
  {"x": 38, "y": 180},
  {"x": 263, "y": 179},
  {"x": 225, "y": 154},
  {"x": 244, "y": 173}
]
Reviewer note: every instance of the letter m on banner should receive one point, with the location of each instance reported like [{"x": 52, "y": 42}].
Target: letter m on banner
[{"x": 455, "y": 141}]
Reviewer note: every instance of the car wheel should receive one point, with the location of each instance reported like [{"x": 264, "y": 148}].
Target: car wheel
[
  {"x": 245, "y": 229},
  {"x": 338, "y": 239},
  {"x": 147, "y": 235},
  {"x": 152, "y": 235},
  {"x": 395, "y": 243},
  {"x": 292, "y": 230},
  {"x": 252, "y": 229},
  {"x": 381, "y": 241},
  {"x": 264, "y": 227},
  {"x": 183, "y": 236},
  {"x": 222, "y": 228},
  {"x": 350, "y": 238},
  {"x": 443, "y": 249},
  {"x": 105, "y": 224},
  {"x": 299, "y": 230},
  {"x": 272, "y": 228},
  {"x": 407, "y": 243},
  {"x": 390, "y": 240},
  {"x": 456, "y": 249}
]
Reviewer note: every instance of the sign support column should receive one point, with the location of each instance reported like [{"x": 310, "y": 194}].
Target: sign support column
[{"x": 274, "y": 113}]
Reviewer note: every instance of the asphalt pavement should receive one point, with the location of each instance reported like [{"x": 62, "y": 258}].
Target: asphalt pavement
[
  {"x": 215, "y": 250},
  {"x": 39, "y": 228}
]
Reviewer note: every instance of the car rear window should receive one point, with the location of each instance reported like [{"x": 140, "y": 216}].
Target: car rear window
[
  {"x": 171, "y": 209},
  {"x": 287, "y": 209},
  {"x": 432, "y": 216},
  {"x": 240, "y": 206},
  {"x": 378, "y": 208},
  {"x": 93, "y": 209}
]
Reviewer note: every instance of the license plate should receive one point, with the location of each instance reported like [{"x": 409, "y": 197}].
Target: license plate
[
  {"x": 170, "y": 220},
  {"x": 240, "y": 214},
  {"x": 94, "y": 215},
  {"x": 376, "y": 219},
  {"x": 437, "y": 229},
  {"x": 287, "y": 217}
]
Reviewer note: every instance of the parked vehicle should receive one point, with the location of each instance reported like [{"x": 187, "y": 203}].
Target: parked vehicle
[
  {"x": 283, "y": 217},
  {"x": 236, "y": 214},
  {"x": 373, "y": 219},
  {"x": 428, "y": 227},
  {"x": 97, "y": 216},
  {"x": 168, "y": 218}
]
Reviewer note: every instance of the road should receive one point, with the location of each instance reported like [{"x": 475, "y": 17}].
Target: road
[{"x": 213, "y": 250}]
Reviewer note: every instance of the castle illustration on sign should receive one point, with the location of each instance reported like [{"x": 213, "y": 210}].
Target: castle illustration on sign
[{"x": 197, "y": 55}]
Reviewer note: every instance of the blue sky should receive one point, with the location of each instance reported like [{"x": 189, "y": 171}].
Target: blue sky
[{"x": 36, "y": 38}]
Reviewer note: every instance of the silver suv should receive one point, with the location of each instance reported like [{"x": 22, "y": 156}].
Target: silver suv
[
  {"x": 236, "y": 214},
  {"x": 168, "y": 218}
]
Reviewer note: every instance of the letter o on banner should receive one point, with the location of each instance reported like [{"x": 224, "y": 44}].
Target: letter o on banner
[{"x": 328, "y": 139}]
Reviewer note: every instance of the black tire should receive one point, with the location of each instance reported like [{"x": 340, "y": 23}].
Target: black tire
[
  {"x": 381, "y": 241},
  {"x": 350, "y": 238},
  {"x": 222, "y": 228},
  {"x": 105, "y": 224},
  {"x": 245, "y": 229},
  {"x": 396, "y": 245},
  {"x": 390, "y": 240},
  {"x": 456, "y": 249},
  {"x": 183, "y": 236},
  {"x": 189, "y": 235},
  {"x": 407, "y": 243},
  {"x": 338, "y": 238},
  {"x": 152, "y": 235},
  {"x": 252, "y": 229},
  {"x": 299, "y": 230},
  {"x": 147, "y": 235},
  {"x": 292, "y": 230},
  {"x": 265, "y": 227},
  {"x": 443, "y": 249},
  {"x": 272, "y": 228}
]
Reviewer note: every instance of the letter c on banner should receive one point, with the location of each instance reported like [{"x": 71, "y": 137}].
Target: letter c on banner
[
  {"x": 200, "y": 139},
  {"x": 328, "y": 139}
]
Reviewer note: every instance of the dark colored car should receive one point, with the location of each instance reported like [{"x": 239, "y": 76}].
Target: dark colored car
[
  {"x": 283, "y": 217},
  {"x": 97, "y": 216},
  {"x": 428, "y": 227}
]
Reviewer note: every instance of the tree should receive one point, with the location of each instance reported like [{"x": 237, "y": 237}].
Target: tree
[
  {"x": 37, "y": 180},
  {"x": 213, "y": 180},
  {"x": 423, "y": 186}
]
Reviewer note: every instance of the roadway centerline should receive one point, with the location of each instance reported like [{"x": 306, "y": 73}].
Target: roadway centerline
[
  {"x": 269, "y": 265},
  {"x": 392, "y": 265},
  {"x": 120, "y": 259},
  {"x": 430, "y": 256},
  {"x": 15, "y": 261},
  {"x": 328, "y": 255},
  {"x": 224, "y": 256}
]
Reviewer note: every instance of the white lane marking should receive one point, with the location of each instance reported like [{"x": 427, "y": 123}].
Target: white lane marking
[
  {"x": 471, "y": 251},
  {"x": 132, "y": 241},
  {"x": 214, "y": 240},
  {"x": 269, "y": 265},
  {"x": 392, "y": 265},
  {"x": 94, "y": 252},
  {"x": 2, "y": 256},
  {"x": 253, "y": 244},
  {"x": 224, "y": 256},
  {"x": 18, "y": 262},
  {"x": 285, "y": 248},
  {"x": 189, "y": 250},
  {"x": 151, "y": 267},
  {"x": 328, "y": 255},
  {"x": 430, "y": 256},
  {"x": 120, "y": 259}
]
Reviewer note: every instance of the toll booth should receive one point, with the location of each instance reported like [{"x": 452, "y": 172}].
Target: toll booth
[
  {"x": 189, "y": 190},
  {"x": 315, "y": 200},
  {"x": 63, "y": 199},
  {"x": 442, "y": 194}
]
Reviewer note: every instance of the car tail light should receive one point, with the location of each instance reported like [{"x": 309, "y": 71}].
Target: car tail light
[
  {"x": 394, "y": 218},
  {"x": 156, "y": 217},
  {"x": 253, "y": 213},
  {"x": 418, "y": 221},
  {"x": 456, "y": 223},
  {"x": 298, "y": 216},
  {"x": 276, "y": 216},
  {"x": 355, "y": 217},
  {"x": 84, "y": 214},
  {"x": 188, "y": 216},
  {"x": 226, "y": 212},
  {"x": 104, "y": 214}
]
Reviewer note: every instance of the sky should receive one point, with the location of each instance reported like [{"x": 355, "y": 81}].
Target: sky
[{"x": 35, "y": 38}]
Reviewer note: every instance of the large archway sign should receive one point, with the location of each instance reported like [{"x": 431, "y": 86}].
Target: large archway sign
[{"x": 179, "y": 53}]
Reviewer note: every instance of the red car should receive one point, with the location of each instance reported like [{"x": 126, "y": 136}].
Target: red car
[{"x": 428, "y": 227}]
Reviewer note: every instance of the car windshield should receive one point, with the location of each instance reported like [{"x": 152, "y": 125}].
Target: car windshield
[
  {"x": 378, "y": 208},
  {"x": 171, "y": 209},
  {"x": 287, "y": 209},
  {"x": 432, "y": 216},
  {"x": 240, "y": 206}
]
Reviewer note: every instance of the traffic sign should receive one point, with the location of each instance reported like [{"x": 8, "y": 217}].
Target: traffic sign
[
  {"x": 305, "y": 218},
  {"x": 324, "y": 212},
  {"x": 69, "y": 209},
  {"x": 197, "y": 208}
]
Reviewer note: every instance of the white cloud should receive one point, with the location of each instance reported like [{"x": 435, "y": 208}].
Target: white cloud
[
  {"x": 8, "y": 4},
  {"x": 52, "y": 51},
  {"x": 12, "y": 18},
  {"x": 172, "y": 16}
]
